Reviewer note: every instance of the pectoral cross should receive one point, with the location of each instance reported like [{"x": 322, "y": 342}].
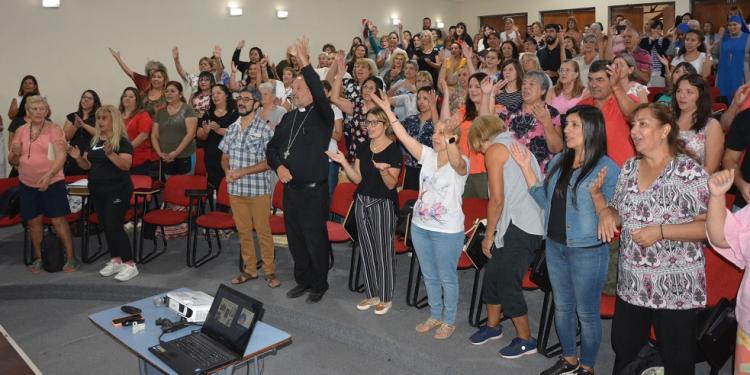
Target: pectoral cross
[{"x": 286, "y": 154}]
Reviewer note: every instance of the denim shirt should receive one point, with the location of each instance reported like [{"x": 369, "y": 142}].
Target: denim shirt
[{"x": 581, "y": 220}]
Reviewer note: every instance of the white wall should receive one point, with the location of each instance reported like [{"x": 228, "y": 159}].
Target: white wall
[
  {"x": 471, "y": 10},
  {"x": 66, "y": 48}
]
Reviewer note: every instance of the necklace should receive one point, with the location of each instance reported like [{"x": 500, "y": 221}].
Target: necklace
[
  {"x": 290, "y": 143},
  {"x": 375, "y": 149},
  {"x": 33, "y": 138}
]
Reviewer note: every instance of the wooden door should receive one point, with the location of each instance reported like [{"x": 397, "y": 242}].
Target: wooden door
[
  {"x": 715, "y": 11},
  {"x": 498, "y": 22},
  {"x": 642, "y": 14},
  {"x": 584, "y": 16}
]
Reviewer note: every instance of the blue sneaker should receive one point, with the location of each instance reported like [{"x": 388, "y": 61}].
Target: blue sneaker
[
  {"x": 485, "y": 334},
  {"x": 518, "y": 347}
]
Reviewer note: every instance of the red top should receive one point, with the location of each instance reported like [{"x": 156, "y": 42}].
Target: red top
[
  {"x": 140, "y": 123},
  {"x": 141, "y": 82},
  {"x": 619, "y": 145}
]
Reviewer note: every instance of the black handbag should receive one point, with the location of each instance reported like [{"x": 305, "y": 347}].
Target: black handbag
[
  {"x": 473, "y": 244},
  {"x": 539, "y": 274},
  {"x": 350, "y": 223},
  {"x": 717, "y": 330},
  {"x": 53, "y": 257}
]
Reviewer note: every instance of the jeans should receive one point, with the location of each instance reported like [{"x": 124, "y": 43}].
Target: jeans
[
  {"x": 577, "y": 275},
  {"x": 333, "y": 178},
  {"x": 438, "y": 255}
]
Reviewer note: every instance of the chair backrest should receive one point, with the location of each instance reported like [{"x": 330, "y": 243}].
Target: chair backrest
[
  {"x": 72, "y": 179},
  {"x": 715, "y": 94},
  {"x": 342, "y": 198},
  {"x": 140, "y": 181},
  {"x": 222, "y": 195},
  {"x": 406, "y": 195},
  {"x": 722, "y": 277},
  {"x": 200, "y": 163},
  {"x": 652, "y": 92},
  {"x": 7, "y": 183},
  {"x": 474, "y": 208},
  {"x": 174, "y": 190},
  {"x": 277, "y": 201}
]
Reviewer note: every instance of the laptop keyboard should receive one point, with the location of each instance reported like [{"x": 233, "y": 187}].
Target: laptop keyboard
[{"x": 201, "y": 350}]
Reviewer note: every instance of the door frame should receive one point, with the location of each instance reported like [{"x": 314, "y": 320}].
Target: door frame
[
  {"x": 542, "y": 12},
  {"x": 520, "y": 14}
]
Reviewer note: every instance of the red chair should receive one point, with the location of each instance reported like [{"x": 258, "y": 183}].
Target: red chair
[
  {"x": 214, "y": 220},
  {"x": 341, "y": 201},
  {"x": 718, "y": 107},
  {"x": 715, "y": 94},
  {"x": 9, "y": 221},
  {"x": 473, "y": 208},
  {"x": 653, "y": 92},
  {"x": 277, "y": 203},
  {"x": 181, "y": 191}
]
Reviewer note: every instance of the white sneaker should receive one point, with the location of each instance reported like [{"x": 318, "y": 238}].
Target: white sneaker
[
  {"x": 111, "y": 268},
  {"x": 128, "y": 272}
]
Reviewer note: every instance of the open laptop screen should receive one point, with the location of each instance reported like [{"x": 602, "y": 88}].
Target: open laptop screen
[{"x": 232, "y": 318}]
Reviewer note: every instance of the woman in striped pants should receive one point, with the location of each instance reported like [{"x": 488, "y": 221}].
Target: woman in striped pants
[{"x": 375, "y": 170}]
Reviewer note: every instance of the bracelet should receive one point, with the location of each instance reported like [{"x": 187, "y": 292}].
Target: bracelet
[
  {"x": 394, "y": 121},
  {"x": 661, "y": 229}
]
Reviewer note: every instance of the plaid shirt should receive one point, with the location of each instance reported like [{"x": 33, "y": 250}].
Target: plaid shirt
[{"x": 247, "y": 148}]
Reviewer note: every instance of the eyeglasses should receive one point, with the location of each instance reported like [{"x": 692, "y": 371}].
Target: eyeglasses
[
  {"x": 371, "y": 124},
  {"x": 244, "y": 99}
]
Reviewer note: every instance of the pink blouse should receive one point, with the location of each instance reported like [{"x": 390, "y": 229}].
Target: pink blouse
[
  {"x": 737, "y": 233},
  {"x": 36, "y": 158}
]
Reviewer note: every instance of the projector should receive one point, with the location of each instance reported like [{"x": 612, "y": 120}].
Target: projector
[{"x": 192, "y": 305}]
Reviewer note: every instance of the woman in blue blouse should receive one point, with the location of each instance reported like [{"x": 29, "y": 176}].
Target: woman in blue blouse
[{"x": 571, "y": 224}]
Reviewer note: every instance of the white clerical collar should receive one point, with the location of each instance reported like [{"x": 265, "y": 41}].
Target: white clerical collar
[{"x": 302, "y": 109}]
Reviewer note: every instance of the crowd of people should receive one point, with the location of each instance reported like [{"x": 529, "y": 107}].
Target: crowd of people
[{"x": 577, "y": 138}]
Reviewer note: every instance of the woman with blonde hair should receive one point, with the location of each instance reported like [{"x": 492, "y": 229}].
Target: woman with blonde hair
[
  {"x": 108, "y": 162},
  {"x": 38, "y": 153},
  {"x": 396, "y": 70}
]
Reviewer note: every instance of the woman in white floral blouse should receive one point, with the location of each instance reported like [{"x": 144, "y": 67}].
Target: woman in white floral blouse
[{"x": 660, "y": 202}]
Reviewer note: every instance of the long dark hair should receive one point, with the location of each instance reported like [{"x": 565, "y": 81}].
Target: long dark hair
[
  {"x": 703, "y": 111},
  {"x": 138, "y": 101},
  {"x": 594, "y": 145},
  {"x": 471, "y": 109},
  {"x": 33, "y": 79},
  {"x": 231, "y": 107},
  {"x": 97, "y": 104},
  {"x": 701, "y": 42},
  {"x": 514, "y": 54},
  {"x": 377, "y": 82},
  {"x": 177, "y": 86}
]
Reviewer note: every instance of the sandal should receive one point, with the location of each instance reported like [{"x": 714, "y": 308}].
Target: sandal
[
  {"x": 36, "y": 265},
  {"x": 243, "y": 278},
  {"x": 272, "y": 281}
]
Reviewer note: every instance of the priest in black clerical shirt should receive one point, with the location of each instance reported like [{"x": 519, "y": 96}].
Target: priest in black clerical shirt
[{"x": 296, "y": 153}]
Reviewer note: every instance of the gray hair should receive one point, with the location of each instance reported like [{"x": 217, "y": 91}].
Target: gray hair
[
  {"x": 596, "y": 25},
  {"x": 589, "y": 38},
  {"x": 630, "y": 60},
  {"x": 539, "y": 77},
  {"x": 267, "y": 86}
]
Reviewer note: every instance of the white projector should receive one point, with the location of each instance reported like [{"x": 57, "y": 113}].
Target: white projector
[{"x": 192, "y": 305}]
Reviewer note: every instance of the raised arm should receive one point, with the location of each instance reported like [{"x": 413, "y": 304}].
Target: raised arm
[
  {"x": 241, "y": 65},
  {"x": 219, "y": 64},
  {"x": 178, "y": 64},
  {"x": 469, "y": 56},
  {"x": 118, "y": 58},
  {"x": 412, "y": 145},
  {"x": 345, "y": 105},
  {"x": 740, "y": 96},
  {"x": 312, "y": 79},
  {"x": 455, "y": 158},
  {"x": 624, "y": 101},
  {"x": 233, "y": 86},
  {"x": 445, "y": 109}
]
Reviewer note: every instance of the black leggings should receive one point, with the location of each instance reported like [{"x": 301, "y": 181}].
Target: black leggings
[{"x": 110, "y": 207}]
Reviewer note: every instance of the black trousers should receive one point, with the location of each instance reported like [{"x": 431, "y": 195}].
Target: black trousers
[
  {"x": 675, "y": 334},
  {"x": 305, "y": 214},
  {"x": 110, "y": 207}
]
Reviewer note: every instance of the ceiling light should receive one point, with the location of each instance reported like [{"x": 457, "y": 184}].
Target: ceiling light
[
  {"x": 51, "y": 3},
  {"x": 281, "y": 14},
  {"x": 440, "y": 24},
  {"x": 395, "y": 21},
  {"x": 235, "y": 11}
]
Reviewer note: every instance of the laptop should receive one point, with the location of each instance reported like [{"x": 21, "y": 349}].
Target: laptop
[{"x": 222, "y": 339}]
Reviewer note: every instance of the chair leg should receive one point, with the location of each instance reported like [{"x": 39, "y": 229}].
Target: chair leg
[
  {"x": 155, "y": 252},
  {"x": 85, "y": 256},
  {"x": 412, "y": 291},
  {"x": 545, "y": 328},
  {"x": 210, "y": 255},
  {"x": 355, "y": 267},
  {"x": 475, "y": 306}
]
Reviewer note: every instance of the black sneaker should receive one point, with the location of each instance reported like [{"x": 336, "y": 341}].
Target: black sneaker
[
  {"x": 562, "y": 367},
  {"x": 583, "y": 371},
  {"x": 297, "y": 291}
]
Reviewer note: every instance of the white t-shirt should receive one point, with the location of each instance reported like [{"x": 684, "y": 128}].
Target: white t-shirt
[
  {"x": 697, "y": 63},
  {"x": 438, "y": 207},
  {"x": 337, "y": 115},
  {"x": 509, "y": 36}
]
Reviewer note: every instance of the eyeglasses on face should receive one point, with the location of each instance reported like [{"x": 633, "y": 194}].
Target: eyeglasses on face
[{"x": 371, "y": 124}]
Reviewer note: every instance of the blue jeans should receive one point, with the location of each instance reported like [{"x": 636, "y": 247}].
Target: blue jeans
[
  {"x": 333, "y": 178},
  {"x": 577, "y": 275},
  {"x": 438, "y": 255}
]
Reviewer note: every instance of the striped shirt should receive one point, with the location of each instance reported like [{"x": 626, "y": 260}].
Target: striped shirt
[{"x": 247, "y": 148}]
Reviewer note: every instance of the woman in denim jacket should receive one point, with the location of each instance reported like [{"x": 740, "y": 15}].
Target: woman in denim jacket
[{"x": 576, "y": 259}]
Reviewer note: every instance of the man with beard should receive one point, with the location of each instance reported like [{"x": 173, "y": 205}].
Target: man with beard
[
  {"x": 249, "y": 183},
  {"x": 608, "y": 95},
  {"x": 550, "y": 56},
  {"x": 296, "y": 153},
  {"x": 426, "y": 23}
]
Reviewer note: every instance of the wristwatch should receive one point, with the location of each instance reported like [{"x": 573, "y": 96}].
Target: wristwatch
[{"x": 452, "y": 139}]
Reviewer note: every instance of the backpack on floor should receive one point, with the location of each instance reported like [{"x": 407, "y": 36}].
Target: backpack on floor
[
  {"x": 53, "y": 257},
  {"x": 10, "y": 203}
]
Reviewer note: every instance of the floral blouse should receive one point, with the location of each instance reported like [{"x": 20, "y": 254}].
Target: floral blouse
[
  {"x": 422, "y": 132},
  {"x": 668, "y": 274},
  {"x": 355, "y": 131},
  {"x": 529, "y": 132},
  {"x": 696, "y": 143}
]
